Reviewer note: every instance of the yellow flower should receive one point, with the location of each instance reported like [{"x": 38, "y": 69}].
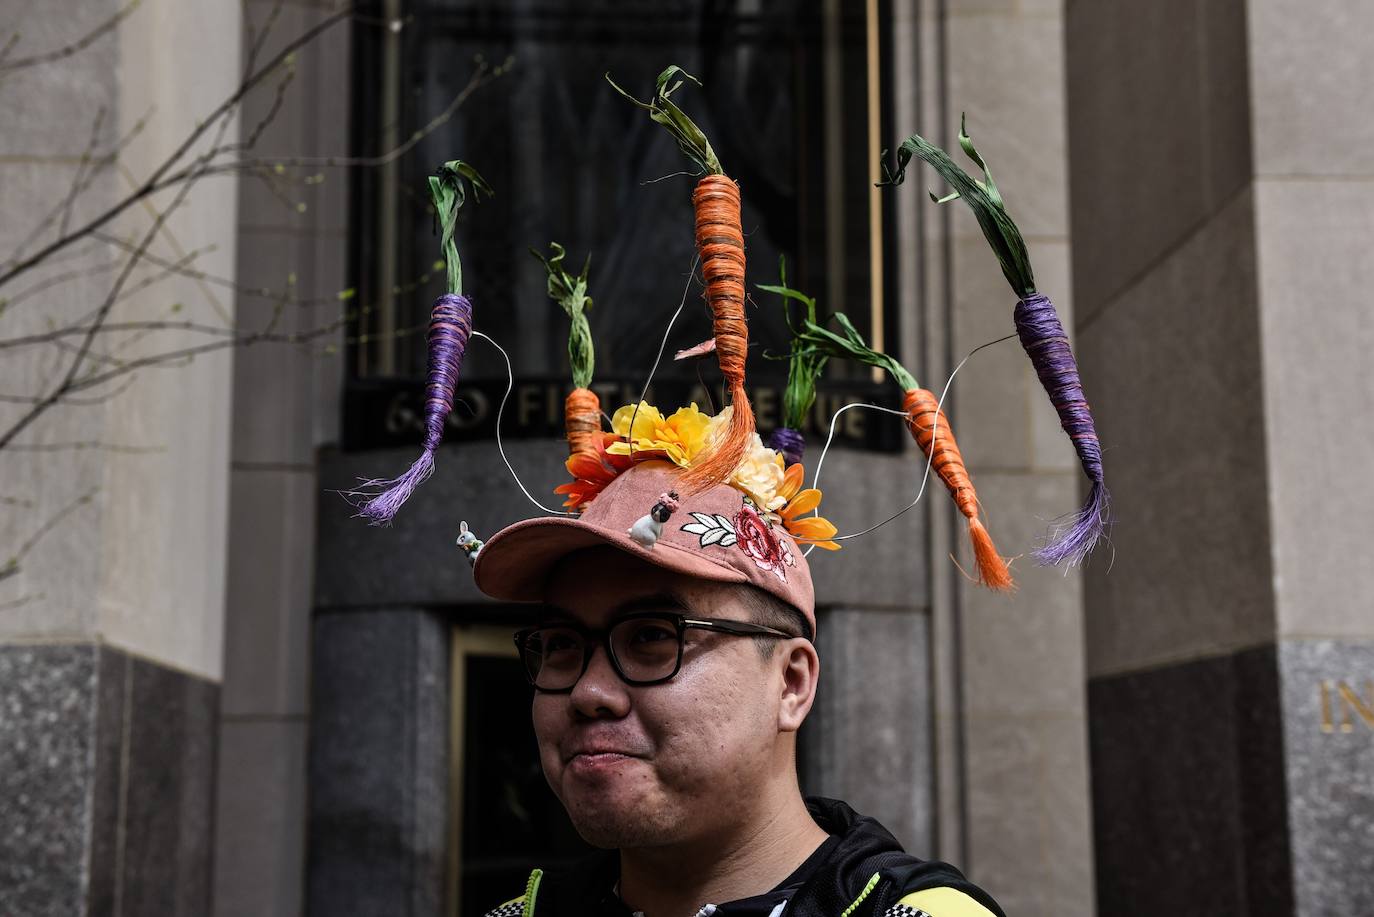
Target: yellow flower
[
  {"x": 810, "y": 529},
  {"x": 678, "y": 437}
]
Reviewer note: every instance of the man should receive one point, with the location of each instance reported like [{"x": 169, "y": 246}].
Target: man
[{"x": 672, "y": 667}]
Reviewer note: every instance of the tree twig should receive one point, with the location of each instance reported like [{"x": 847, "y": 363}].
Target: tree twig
[
  {"x": 152, "y": 183},
  {"x": 66, "y": 51},
  {"x": 12, "y": 566}
]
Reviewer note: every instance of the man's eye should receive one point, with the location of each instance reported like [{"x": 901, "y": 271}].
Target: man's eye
[
  {"x": 653, "y": 633},
  {"x": 559, "y": 642}
]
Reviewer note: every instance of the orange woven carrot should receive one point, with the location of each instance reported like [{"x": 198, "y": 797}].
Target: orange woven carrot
[
  {"x": 582, "y": 420},
  {"x": 930, "y": 428},
  {"x": 581, "y": 409},
  {"x": 720, "y": 244},
  {"x": 720, "y": 247}
]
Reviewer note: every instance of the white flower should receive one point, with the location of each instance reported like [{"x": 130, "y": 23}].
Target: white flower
[
  {"x": 760, "y": 473},
  {"x": 760, "y": 476}
]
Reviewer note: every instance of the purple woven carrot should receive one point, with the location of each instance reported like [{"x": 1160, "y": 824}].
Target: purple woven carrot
[
  {"x": 450, "y": 324},
  {"x": 1042, "y": 336},
  {"x": 789, "y": 442}
]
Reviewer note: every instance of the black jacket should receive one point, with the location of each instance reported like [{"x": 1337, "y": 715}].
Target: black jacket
[{"x": 863, "y": 872}]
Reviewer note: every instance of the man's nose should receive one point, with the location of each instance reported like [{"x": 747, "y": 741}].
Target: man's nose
[{"x": 600, "y": 692}]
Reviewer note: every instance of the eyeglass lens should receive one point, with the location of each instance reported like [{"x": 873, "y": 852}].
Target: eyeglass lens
[{"x": 642, "y": 650}]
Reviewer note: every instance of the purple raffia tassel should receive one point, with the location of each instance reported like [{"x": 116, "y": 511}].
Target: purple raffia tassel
[
  {"x": 1045, "y": 342},
  {"x": 450, "y": 324},
  {"x": 789, "y": 442}
]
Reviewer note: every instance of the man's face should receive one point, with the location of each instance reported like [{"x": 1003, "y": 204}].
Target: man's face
[{"x": 656, "y": 764}]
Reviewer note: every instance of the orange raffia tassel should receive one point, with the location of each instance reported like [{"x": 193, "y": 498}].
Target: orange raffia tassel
[
  {"x": 720, "y": 245},
  {"x": 931, "y": 430},
  {"x": 582, "y": 421}
]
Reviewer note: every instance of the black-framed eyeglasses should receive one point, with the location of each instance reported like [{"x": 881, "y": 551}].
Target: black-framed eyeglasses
[{"x": 645, "y": 648}]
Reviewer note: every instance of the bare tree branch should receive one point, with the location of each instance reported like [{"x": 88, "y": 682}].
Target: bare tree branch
[
  {"x": 56, "y": 212},
  {"x": 66, "y": 51},
  {"x": 152, "y": 183},
  {"x": 11, "y": 566},
  {"x": 80, "y": 170},
  {"x": 8, "y": 436},
  {"x": 87, "y": 446},
  {"x": 75, "y": 402},
  {"x": 484, "y": 74}
]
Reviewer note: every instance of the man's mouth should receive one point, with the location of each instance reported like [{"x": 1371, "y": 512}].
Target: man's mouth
[{"x": 604, "y": 753}]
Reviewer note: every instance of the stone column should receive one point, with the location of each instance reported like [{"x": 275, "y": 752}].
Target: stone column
[
  {"x": 379, "y": 764},
  {"x": 285, "y": 402},
  {"x": 1222, "y": 218},
  {"x": 110, "y": 633},
  {"x": 1027, "y": 827}
]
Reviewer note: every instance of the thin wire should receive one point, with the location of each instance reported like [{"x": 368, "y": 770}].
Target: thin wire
[
  {"x": 510, "y": 384},
  {"x": 662, "y": 347},
  {"x": 930, "y": 459},
  {"x": 654, "y": 181}
]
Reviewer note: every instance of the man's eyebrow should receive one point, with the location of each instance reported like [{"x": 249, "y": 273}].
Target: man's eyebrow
[
  {"x": 549, "y": 613},
  {"x": 658, "y": 601}
]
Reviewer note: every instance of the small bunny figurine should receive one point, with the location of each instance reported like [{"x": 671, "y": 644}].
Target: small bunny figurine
[
  {"x": 647, "y": 528},
  {"x": 470, "y": 544}
]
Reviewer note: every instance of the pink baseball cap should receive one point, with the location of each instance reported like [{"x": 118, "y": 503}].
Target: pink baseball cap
[{"x": 716, "y": 535}]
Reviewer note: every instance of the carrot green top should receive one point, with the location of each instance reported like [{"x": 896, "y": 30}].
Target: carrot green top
[
  {"x": 662, "y": 110},
  {"x": 982, "y": 196},
  {"x": 806, "y": 362},
  {"x": 448, "y": 190},
  {"x": 847, "y": 342},
  {"x": 570, "y": 292}
]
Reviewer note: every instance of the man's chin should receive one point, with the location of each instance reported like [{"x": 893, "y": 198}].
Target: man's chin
[
  {"x": 610, "y": 807},
  {"x": 617, "y": 830}
]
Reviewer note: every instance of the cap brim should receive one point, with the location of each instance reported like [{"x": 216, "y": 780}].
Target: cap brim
[{"x": 514, "y": 565}]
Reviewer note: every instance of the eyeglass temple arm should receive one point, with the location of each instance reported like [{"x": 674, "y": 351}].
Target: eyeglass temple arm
[{"x": 736, "y": 627}]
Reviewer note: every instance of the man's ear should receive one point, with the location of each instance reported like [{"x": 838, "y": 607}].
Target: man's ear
[{"x": 801, "y": 669}]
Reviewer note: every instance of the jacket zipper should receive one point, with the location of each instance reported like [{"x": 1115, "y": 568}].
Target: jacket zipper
[
  {"x": 862, "y": 895},
  {"x": 531, "y": 892}
]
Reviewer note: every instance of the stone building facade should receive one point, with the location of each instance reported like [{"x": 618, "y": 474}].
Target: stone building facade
[{"x": 221, "y": 695}]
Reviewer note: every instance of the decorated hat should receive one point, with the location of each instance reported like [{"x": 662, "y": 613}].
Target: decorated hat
[
  {"x": 701, "y": 494},
  {"x": 720, "y": 534}
]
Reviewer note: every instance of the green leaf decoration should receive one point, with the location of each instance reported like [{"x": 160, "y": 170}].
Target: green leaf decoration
[
  {"x": 849, "y": 344},
  {"x": 448, "y": 190},
  {"x": 662, "y": 110},
  {"x": 570, "y": 292},
  {"x": 805, "y": 363},
  {"x": 982, "y": 196}
]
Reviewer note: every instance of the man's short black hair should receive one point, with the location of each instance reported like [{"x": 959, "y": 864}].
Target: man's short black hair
[{"x": 771, "y": 611}]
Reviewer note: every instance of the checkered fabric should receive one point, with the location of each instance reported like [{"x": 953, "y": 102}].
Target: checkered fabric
[{"x": 509, "y": 909}]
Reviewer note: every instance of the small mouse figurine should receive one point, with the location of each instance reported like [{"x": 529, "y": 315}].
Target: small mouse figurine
[
  {"x": 646, "y": 529},
  {"x": 470, "y": 544}
]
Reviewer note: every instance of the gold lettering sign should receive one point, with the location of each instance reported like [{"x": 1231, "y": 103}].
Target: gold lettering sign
[{"x": 1338, "y": 695}]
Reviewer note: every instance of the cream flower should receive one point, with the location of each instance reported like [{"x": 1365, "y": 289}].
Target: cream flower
[
  {"x": 760, "y": 476},
  {"x": 760, "y": 473}
]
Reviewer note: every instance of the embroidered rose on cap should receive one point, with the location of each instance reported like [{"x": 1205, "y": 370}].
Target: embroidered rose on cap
[
  {"x": 756, "y": 538},
  {"x": 748, "y": 531}
]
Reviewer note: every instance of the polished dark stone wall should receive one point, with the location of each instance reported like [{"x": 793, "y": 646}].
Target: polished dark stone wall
[
  {"x": 1188, "y": 789},
  {"x": 1241, "y": 784},
  {"x": 378, "y": 764},
  {"x": 106, "y": 784},
  {"x": 1329, "y": 764}
]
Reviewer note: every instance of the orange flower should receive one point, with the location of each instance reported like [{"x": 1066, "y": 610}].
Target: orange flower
[
  {"x": 811, "y": 529},
  {"x": 591, "y": 473}
]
